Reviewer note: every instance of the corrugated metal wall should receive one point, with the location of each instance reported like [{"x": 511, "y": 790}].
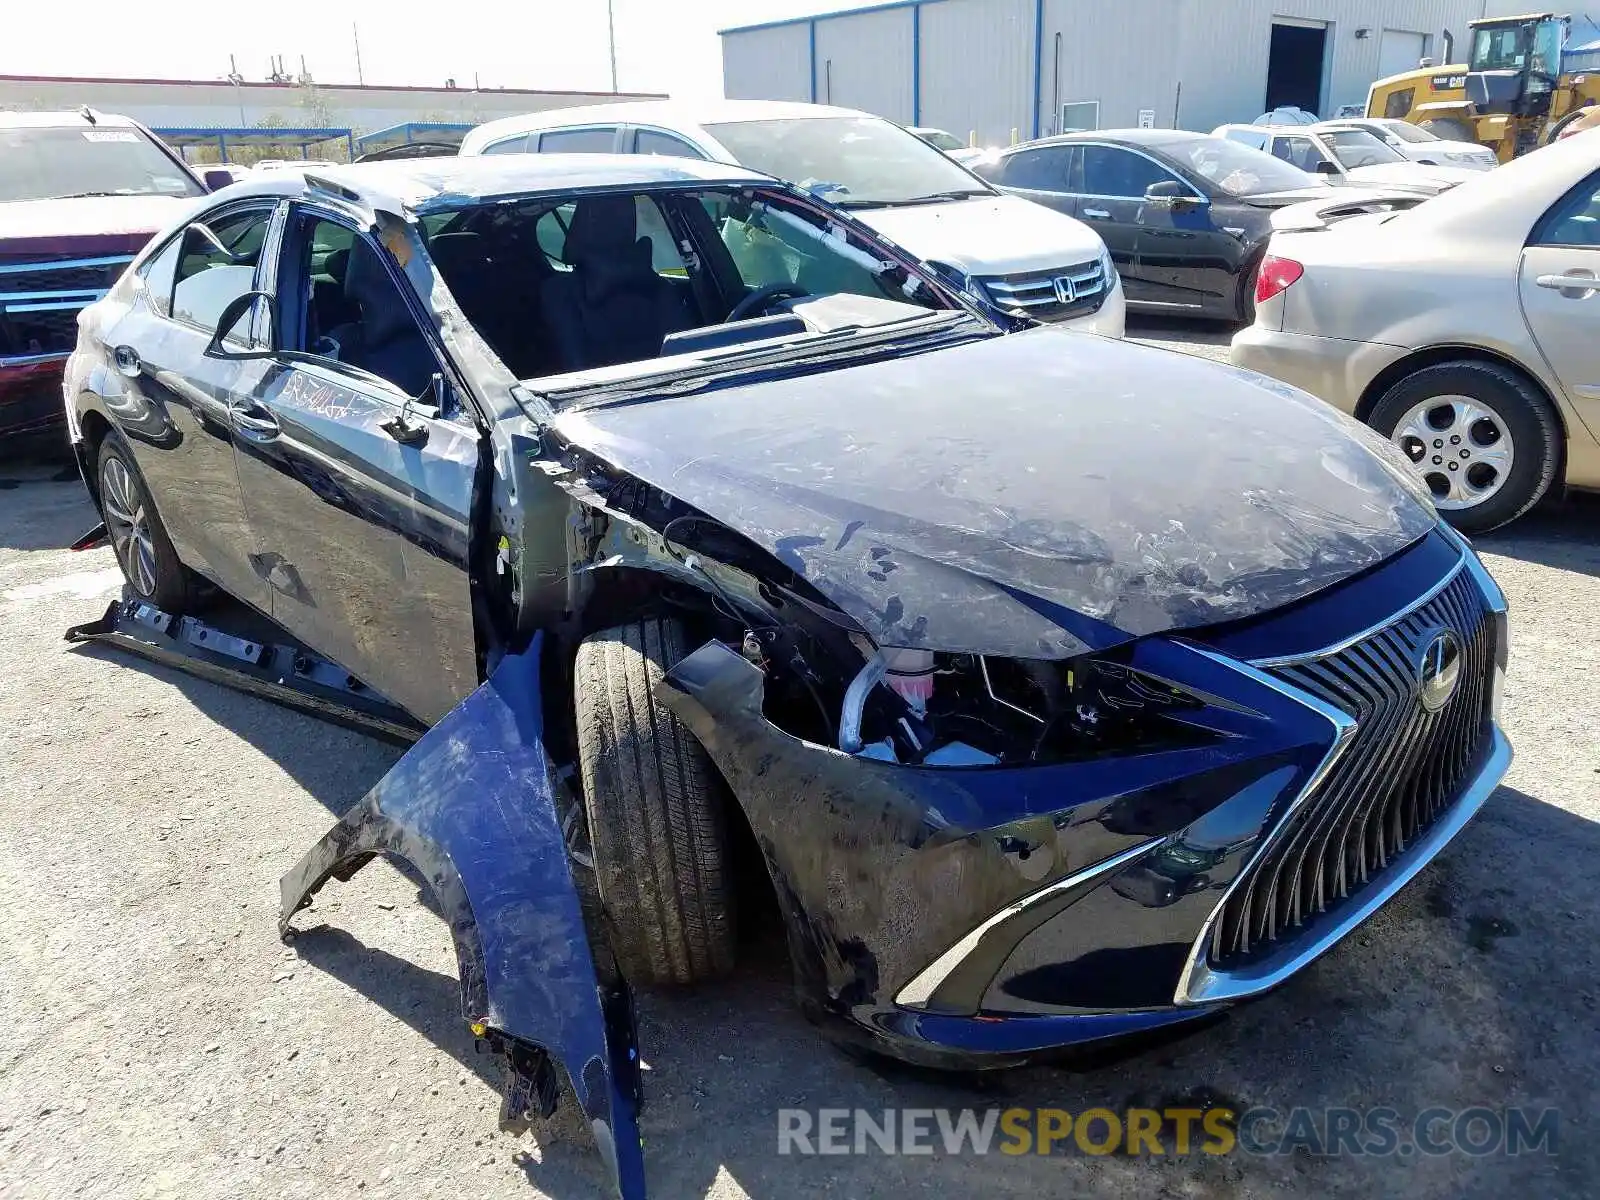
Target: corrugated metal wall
[
  {"x": 1124, "y": 55},
  {"x": 977, "y": 65},
  {"x": 767, "y": 64},
  {"x": 977, "y": 68},
  {"x": 1223, "y": 49},
  {"x": 864, "y": 61}
]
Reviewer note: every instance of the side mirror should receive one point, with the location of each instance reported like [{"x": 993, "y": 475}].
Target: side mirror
[
  {"x": 1169, "y": 193},
  {"x": 1325, "y": 167},
  {"x": 239, "y": 308},
  {"x": 217, "y": 178}
]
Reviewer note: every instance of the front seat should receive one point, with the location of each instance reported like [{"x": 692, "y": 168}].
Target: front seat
[
  {"x": 611, "y": 307},
  {"x": 385, "y": 340}
]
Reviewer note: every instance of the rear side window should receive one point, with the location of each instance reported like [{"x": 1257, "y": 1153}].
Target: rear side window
[
  {"x": 217, "y": 264},
  {"x": 652, "y": 141},
  {"x": 510, "y": 145},
  {"x": 1398, "y": 105},
  {"x": 578, "y": 141}
]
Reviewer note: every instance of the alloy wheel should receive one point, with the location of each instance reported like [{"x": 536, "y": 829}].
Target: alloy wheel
[
  {"x": 1460, "y": 446},
  {"x": 122, "y": 501}
]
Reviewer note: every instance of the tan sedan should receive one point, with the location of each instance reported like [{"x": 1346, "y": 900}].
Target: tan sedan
[{"x": 1466, "y": 329}]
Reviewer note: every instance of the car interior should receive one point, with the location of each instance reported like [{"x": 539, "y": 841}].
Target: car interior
[{"x": 561, "y": 285}]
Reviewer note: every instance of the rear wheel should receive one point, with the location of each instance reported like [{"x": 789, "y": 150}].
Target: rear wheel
[
  {"x": 138, "y": 538},
  {"x": 1485, "y": 439},
  {"x": 654, "y": 805}
]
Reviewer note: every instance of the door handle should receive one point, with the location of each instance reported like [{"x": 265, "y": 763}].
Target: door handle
[
  {"x": 127, "y": 361},
  {"x": 1574, "y": 285},
  {"x": 1097, "y": 214},
  {"x": 253, "y": 418}
]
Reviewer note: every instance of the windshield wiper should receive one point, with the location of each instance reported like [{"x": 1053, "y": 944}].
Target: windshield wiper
[{"x": 87, "y": 195}]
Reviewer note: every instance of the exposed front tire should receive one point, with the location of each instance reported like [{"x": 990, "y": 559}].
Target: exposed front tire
[
  {"x": 1485, "y": 439},
  {"x": 655, "y": 811},
  {"x": 138, "y": 538}
]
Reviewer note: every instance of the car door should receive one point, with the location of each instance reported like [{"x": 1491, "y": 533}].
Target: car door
[
  {"x": 1192, "y": 246},
  {"x": 1113, "y": 202},
  {"x": 176, "y": 410},
  {"x": 361, "y": 502},
  {"x": 1559, "y": 284}
]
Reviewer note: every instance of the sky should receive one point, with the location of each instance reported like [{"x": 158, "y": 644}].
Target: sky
[{"x": 662, "y": 45}]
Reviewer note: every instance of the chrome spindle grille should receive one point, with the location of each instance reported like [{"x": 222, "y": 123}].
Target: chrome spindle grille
[{"x": 1403, "y": 767}]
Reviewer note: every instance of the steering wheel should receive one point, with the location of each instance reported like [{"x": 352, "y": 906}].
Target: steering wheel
[{"x": 757, "y": 300}]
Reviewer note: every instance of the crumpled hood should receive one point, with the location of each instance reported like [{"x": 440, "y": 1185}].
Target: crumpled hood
[
  {"x": 1035, "y": 495},
  {"x": 50, "y": 226},
  {"x": 989, "y": 235}
]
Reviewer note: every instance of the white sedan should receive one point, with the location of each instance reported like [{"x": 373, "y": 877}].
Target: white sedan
[
  {"x": 1346, "y": 156},
  {"x": 1419, "y": 145},
  {"x": 1464, "y": 329}
]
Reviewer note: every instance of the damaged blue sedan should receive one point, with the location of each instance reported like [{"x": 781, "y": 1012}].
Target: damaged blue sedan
[{"x": 1059, "y": 689}]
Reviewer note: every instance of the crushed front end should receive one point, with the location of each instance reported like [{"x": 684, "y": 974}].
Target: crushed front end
[{"x": 1026, "y": 856}]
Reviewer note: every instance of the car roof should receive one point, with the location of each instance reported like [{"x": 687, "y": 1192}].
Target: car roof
[
  {"x": 422, "y": 184},
  {"x": 1153, "y": 138},
  {"x": 84, "y": 118},
  {"x": 668, "y": 113}
]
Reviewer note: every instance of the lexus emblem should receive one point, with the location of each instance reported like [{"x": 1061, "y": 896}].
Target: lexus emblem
[
  {"x": 1438, "y": 670},
  {"x": 1066, "y": 290}
]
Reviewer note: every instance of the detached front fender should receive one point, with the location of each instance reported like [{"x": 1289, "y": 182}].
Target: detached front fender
[{"x": 471, "y": 808}]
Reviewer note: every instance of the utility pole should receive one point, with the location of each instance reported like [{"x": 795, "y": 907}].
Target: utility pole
[
  {"x": 611, "y": 38},
  {"x": 355, "y": 32}
]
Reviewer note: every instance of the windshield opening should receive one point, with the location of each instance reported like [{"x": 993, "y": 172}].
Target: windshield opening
[
  {"x": 1502, "y": 49},
  {"x": 854, "y": 162},
  {"x": 1237, "y": 170},
  {"x": 558, "y": 286},
  {"x": 1358, "y": 148},
  {"x": 50, "y": 164}
]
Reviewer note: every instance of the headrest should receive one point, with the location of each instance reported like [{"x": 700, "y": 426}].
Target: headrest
[
  {"x": 601, "y": 226},
  {"x": 384, "y": 315}
]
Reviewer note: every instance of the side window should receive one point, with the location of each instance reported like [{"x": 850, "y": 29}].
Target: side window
[
  {"x": 356, "y": 313},
  {"x": 1040, "y": 170},
  {"x": 158, "y": 274},
  {"x": 1108, "y": 171},
  {"x": 1574, "y": 220},
  {"x": 653, "y": 141},
  {"x": 510, "y": 145},
  {"x": 1301, "y": 151},
  {"x": 217, "y": 264},
  {"x": 578, "y": 141},
  {"x": 1398, "y": 105},
  {"x": 551, "y": 232}
]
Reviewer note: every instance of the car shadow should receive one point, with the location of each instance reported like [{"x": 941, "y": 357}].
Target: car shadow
[
  {"x": 46, "y": 507},
  {"x": 1561, "y": 535}
]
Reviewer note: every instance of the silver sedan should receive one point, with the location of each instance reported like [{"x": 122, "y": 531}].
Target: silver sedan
[{"x": 1466, "y": 329}]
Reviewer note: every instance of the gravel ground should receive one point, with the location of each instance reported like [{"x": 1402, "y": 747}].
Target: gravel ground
[{"x": 156, "y": 1039}]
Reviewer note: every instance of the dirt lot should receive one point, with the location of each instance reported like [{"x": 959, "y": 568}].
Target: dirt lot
[{"x": 156, "y": 1039}]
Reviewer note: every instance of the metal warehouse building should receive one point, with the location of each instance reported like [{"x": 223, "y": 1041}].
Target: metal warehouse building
[{"x": 991, "y": 67}]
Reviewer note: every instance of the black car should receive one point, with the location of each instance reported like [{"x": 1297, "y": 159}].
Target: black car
[
  {"x": 1058, "y": 688},
  {"x": 1186, "y": 216}
]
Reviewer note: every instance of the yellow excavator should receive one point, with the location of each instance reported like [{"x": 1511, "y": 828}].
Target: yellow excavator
[{"x": 1519, "y": 86}]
